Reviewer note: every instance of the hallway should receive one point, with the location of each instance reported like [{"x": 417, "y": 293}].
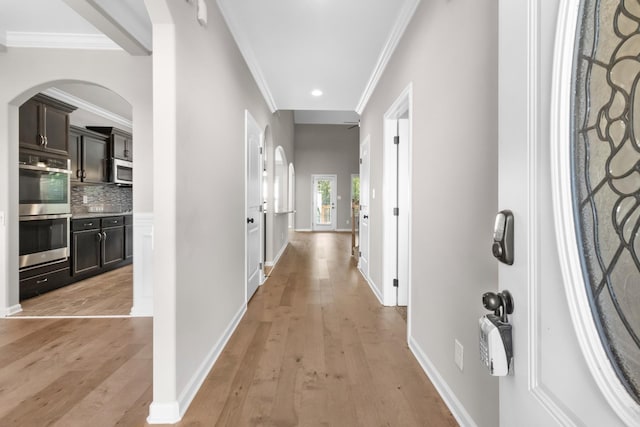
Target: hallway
[{"x": 316, "y": 348}]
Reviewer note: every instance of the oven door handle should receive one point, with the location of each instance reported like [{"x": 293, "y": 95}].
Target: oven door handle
[
  {"x": 40, "y": 217},
  {"x": 44, "y": 169}
]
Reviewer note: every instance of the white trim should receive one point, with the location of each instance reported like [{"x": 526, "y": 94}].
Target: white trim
[
  {"x": 60, "y": 41},
  {"x": 249, "y": 56},
  {"x": 191, "y": 389},
  {"x": 164, "y": 413},
  {"x": 448, "y": 396},
  {"x": 395, "y": 35},
  {"x": 10, "y": 311},
  {"x": 402, "y": 104},
  {"x": 303, "y": 230},
  {"x": 143, "y": 257},
  {"x": 277, "y": 258},
  {"x": 343, "y": 230},
  {"x": 87, "y": 106},
  {"x": 596, "y": 358},
  {"x": 372, "y": 285}
]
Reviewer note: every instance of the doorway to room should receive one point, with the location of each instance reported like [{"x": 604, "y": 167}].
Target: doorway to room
[{"x": 75, "y": 260}]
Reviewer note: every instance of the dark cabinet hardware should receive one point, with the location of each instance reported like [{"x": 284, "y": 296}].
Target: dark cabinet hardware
[
  {"x": 249, "y": 220},
  {"x": 45, "y": 280}
]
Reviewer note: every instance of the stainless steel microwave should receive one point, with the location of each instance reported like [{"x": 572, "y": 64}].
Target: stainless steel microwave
[{"x": 121, "y": 172}]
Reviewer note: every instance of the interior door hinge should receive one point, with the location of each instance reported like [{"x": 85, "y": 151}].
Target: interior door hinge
[
  {"x": 260, "y": 150},
  {"x": 360, "y": 254},
  {"x": 396, "y": 211},
  {"x": 360, "y": 161},
  {"x": 396, "y": 140},
  {"x": 395, "y": 283},
  {"x": 260, "y": 266}
]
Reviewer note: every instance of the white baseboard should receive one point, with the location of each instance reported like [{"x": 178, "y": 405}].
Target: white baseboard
[
  {"x": 373, "y": 287},
  {"x": 190, "y": 391},
  {"x": 9, "y": 311},
  {"x": 343, "y": 230},
  {"x": 164, "y": 413},
  {"x": 455, "y": 406},
  {"x": 303, "y": 230},
  {"x": 278, "y": 255}
]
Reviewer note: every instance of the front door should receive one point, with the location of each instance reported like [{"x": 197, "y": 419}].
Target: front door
[
  {"x": 323, "y": 194},
  {"x": 551, "y": 383},
  {"x": 253, "y": 218}
]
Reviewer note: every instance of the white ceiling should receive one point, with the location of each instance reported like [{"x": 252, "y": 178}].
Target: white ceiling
[{"x": 291, "y": 46}]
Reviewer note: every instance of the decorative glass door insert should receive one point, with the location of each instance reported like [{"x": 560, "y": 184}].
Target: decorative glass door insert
[{"x": 606, "y": 175}]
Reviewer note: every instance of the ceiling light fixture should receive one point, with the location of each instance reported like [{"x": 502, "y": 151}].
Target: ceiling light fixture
[{"x": 316, "y": 92}]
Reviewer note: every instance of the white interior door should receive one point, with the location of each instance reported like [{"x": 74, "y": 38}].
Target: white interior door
[
  {"x": 551, "y": 383},
  {"x": 323, "y": 194},
  {"x": 253, "y": 218},
  {"x": 363, "y": 240},
  {"x": 404, "y": 210}
]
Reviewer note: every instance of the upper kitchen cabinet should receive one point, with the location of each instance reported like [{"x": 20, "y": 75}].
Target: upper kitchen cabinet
[
  {"x": 121, "y": 142},
  {"x": 89, "y": 154},
  {"x": 44, "y": 125}
]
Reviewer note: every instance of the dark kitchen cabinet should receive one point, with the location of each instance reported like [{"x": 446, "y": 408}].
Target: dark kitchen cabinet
[
  {"x": 89, "y": 153},
  {"x": 121, "y": 142},
  {"x": 41, "y": 279},
  {"x": 97, "y": 244},
  {"x": 112, "y": 241},
  {"x": 86, "y": 251},
  {"x": 44, "y": 125}
]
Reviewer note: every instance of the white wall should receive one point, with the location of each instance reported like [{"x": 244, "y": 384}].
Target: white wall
[
  {"x": 22, "y": 78},
  {"x": 449, "y": 53},
  {"x": 325, "y": 149},
  {"x": 202, "y": 87}
]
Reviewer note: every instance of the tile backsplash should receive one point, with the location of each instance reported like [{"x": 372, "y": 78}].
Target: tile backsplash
[{"x": 101, "y": 198}]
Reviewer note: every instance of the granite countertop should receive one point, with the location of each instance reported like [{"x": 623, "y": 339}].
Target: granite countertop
[{"x": 99, "y": 214}]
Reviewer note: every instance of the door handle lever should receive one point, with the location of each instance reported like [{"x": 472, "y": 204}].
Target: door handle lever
[{"x": 249, "y": 220}]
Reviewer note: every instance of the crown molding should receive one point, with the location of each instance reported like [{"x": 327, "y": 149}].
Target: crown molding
[
  {"x": 249, "y": 56},
  {"x": 60, "y": 41},
  {"x": 87, "y": 106},
  {"x": 397, "y": 31}
]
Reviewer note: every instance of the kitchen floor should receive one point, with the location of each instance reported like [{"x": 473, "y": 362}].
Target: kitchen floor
[{"x": 109, "y": 294}]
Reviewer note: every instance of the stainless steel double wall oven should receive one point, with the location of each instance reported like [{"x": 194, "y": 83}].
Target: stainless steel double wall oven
[{"x": 45, "y": 209}]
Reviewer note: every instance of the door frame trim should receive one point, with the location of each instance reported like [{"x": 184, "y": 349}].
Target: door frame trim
[
  {"x": 570, "y": 263},
  {"x": 402, "y": 104}
]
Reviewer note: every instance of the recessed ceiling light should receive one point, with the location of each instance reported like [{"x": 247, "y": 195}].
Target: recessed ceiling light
[{"x": 316, "y": 92}]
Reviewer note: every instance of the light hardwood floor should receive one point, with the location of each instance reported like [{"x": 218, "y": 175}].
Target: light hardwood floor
[
  {"x": 109, "y": 294},
  {"x": 314, "y": 349}
]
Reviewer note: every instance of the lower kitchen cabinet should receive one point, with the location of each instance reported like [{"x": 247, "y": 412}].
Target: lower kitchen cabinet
[
  {"x": 98, "y": 244},
  {"x": 39, "y": 280}
]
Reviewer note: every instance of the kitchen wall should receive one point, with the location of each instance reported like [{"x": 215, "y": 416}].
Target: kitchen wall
[
  {"x": 449, "y": 54},
  {"x": 126, "y": 75},
  {"x": 325, "y": 149},
  {"x": 202, "y": 88}
]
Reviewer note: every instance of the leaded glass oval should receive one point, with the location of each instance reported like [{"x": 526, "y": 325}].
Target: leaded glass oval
[{"x": 606, "y": 175}]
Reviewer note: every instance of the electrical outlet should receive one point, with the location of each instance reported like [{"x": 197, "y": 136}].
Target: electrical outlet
[
  {"x": 458, "y": 354},
  {"x": 85, "y": 199}
]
